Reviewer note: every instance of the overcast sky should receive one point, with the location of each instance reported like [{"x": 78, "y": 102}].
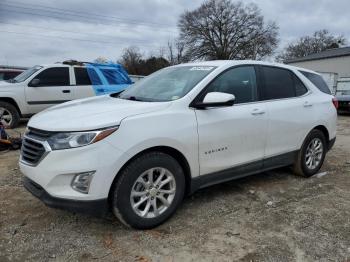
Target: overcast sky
[{"x": 47, "y": 31}]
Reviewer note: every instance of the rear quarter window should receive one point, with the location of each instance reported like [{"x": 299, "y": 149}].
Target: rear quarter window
[
  {"x": 318, "y": 81},
  {"x": 112, "y": 76}
]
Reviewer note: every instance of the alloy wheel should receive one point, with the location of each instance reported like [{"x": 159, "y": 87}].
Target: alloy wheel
[
  {"x": 5, "y": 116},
  {"x": 153, "y": 192},
  {"x": 314, "y": 153}
]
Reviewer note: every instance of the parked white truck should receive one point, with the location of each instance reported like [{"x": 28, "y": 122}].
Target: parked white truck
[
  {"x": 343, "y": 94},
  {"x": 43, "y": 86}
]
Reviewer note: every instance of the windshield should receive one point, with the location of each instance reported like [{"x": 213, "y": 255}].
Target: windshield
[
  {"x": 24, "y": 75},
  {"x": 167, "y": 84}
]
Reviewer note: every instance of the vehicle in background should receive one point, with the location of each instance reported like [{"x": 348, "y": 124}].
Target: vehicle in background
[
  {"x": 343, "y": 94},
  {"x": 8, "y": 72},
  {"x": 180, "y": 129},
  {"x": 43, "y": 86},
  {"x": 331, "y": 80}
]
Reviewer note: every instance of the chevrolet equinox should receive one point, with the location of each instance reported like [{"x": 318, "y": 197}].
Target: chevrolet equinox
[{"x": 185, "y": 127}]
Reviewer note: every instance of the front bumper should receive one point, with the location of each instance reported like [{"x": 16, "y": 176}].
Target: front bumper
[
  {"x": 98, "y": 208},
  {"x": 56, "y": 171}
]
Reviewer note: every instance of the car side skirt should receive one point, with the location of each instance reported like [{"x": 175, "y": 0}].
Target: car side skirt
[{"x": 243, "y": 170}]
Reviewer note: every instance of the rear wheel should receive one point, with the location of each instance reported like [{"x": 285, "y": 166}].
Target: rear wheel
[
  {"x": 311, "y": 156},
  {"x": 9, "y": 115},
  {"x": 148, "y": 190}
]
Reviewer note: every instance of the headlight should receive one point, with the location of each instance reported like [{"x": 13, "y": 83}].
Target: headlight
[{"x": 78, "y": 139}]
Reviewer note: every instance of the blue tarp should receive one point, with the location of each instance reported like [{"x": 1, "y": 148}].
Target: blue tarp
[{"x": 108, "y": 78}]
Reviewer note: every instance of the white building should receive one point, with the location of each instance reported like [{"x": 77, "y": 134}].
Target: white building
[{"x": 335, "y": 60}]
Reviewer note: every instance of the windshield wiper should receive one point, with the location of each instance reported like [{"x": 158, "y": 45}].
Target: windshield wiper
[{"x": 133, "y": 98}]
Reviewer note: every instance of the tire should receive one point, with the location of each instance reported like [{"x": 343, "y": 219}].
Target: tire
[
  {"x": 133, "y": 181},
  {"x": 303, "y": 166},
  {"x": 9, "y": 116}
]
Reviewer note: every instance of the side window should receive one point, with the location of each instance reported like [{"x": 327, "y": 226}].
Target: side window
[
  {"x": 278, "y": 83},
  {"x": 55, "y": 76},
  {"x": 318, "y": 81},
  {"x": 239, "y": 81},
  {"x": 81, "y": 76},
  {"x": 300, "y": 88}
]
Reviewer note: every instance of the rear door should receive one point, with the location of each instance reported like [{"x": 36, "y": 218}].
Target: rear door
[
  {"x": 52, "y": 87},
  {"x": 290, "y": 111},
  {"x": 234, "y": 135},
  {"x": 83, "y": 84}
]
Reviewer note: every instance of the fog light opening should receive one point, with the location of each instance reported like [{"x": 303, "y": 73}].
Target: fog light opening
[{"x": 81, "y": 181}]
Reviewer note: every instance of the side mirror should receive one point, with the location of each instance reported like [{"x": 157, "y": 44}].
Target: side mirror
[
  {"x": 35, "y": 82},
  {"x": 216, "y": 99}
]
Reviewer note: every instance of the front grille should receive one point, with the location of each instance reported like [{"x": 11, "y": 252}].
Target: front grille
[
  {"x": 39, "y": 134},
  {"x": 32, "y": 151}
]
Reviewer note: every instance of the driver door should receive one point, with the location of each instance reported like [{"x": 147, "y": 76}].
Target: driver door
[
  {"x": 235, "y": 135},
  {"x": 49, "y": 87}
]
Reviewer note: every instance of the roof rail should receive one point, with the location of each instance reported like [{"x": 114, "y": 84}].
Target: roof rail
[{"x": 73, "y": 62}]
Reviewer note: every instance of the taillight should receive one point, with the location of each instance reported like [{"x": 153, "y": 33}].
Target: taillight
[{"x": 335, "y": 102}]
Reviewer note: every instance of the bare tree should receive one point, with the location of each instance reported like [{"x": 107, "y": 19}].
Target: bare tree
[
  {"x": 221, "y": 29},
  {"x": 319, "y": 41},
  {"x": 175, "y": 54},
  {"x": 130, "y": 59},
  {"x": 135, "y": 63}
]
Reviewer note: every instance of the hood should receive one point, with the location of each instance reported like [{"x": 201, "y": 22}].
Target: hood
[
  {"x": 91, "y": 113},
  {"x": 6, "y": 86}
]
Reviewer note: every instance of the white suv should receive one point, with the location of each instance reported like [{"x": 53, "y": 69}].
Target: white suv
[
  {"x": 46, "y": 85},
  {"x": 182, "y": 128}
]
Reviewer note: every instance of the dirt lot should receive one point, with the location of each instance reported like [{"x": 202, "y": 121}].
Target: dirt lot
[{"x": 273, "y": 216}]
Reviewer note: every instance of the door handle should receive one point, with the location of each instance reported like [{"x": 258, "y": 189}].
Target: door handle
[
  {"x": 65, "y": 91},
  {"x": 307, "y": 104},
  {"x": 257, "y": 112}
]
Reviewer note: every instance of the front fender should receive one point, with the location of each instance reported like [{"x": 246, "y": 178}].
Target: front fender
[
  {"x": 187, "y": 151},
  {"x": 16, "y": 98}
]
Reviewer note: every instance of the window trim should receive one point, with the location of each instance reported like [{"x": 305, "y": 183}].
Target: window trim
[
  {"x": 263, "y": 84},
  {"x": 258, "y": 86}
]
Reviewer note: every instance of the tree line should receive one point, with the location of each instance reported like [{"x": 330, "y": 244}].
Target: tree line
[{"x": 226, "y": 30}]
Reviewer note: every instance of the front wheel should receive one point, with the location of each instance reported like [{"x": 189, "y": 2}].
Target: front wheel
[
  {"x": 9, "y": 116},
  {"x": 311, "y": 156},
  {"x": 148, "y": 190}
]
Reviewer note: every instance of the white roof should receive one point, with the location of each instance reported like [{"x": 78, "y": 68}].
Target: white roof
[{"x": 225, "y": 63}]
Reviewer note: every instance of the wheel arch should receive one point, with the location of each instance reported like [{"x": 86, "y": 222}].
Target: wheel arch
[
  {"x": 164, "y": 149},
  {"x": 324, "y": 130},
  {"x": 12, "y": 102}
]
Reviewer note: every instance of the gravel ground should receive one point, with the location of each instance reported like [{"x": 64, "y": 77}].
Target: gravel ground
[{"x": 272, "y": 216}]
